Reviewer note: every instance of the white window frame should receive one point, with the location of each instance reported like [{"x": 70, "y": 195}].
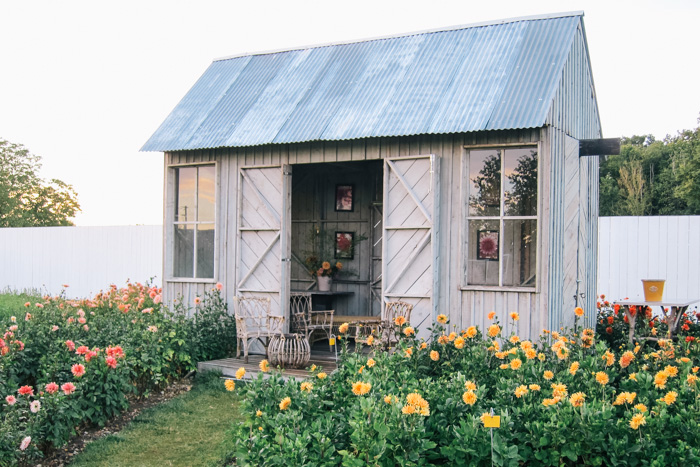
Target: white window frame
[
  {"x": 501, "y": 218},
  {"x": 171, "y": 223}
]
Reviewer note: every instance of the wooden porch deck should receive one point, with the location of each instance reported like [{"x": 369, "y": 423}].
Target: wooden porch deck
[{"x": 229, "y": 366}]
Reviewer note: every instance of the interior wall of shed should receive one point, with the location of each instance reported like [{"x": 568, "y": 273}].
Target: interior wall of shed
[{"x": 316, "y": 223}]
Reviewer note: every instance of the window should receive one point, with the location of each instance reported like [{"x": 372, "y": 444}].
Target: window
[
  {"x": 502, "y": 217},
  {"x": 193, "y": 222}
]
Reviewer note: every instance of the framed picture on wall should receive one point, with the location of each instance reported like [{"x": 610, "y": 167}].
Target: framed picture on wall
[
  {"x": 344, "y": 245},
  {"x": 487, "y": 245},
  {"x": 344, "y": 198}
]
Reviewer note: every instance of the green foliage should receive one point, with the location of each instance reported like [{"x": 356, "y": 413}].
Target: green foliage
[
  {"x": 415, "y": 405},
  {"x": 189, "y": 430},
  {"x": 13, "y": 300},
  {"x": 211, "y": 328},
  {"x": 124, "y": 340},
  {"x": 613, "y": 325},
  {"x": 26, "y": 200},
  {"x": 651, "y": 177}
]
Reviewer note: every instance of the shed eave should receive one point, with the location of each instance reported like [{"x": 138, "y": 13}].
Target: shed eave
[{"x": 282, "y": 143}]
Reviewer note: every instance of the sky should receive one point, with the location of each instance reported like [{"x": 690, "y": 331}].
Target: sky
[{"x": 84, "y": 84}]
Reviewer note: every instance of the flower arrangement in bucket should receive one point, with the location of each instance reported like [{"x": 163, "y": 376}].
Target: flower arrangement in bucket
[{"x": 323, "y": 271}]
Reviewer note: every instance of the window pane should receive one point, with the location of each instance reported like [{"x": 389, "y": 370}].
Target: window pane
[
  {"x": 183, "y": 254},
  {"x": 520, "y": 190},
  {"x": 184, "y": 194},
  {"x": 485, "y": 182},
  {"x": 205, "y": 251},
  {"x": 205, "y": 196},
  {"x": 483, "y": 259},
  {"x": 519, "y": 252}
]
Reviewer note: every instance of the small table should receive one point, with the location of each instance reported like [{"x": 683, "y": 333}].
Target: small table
[
  {"x": 678, "y": 307},
  {"x": 357, "y": 322}
]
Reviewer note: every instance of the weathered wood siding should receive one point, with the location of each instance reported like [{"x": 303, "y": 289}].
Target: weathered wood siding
[
  {"x": 465, "y": 307},
  {"x": 471, "y": 307},
  {"x": 568, "y": 206},
  {"x": 574, "y": 114}
]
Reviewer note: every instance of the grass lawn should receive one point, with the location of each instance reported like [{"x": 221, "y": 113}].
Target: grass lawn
[
  {"x": 12, "y": 303},
  {"x": 186, "y": 431}
]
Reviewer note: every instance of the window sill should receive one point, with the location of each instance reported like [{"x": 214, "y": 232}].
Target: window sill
[
  {"x": 495, "y": 288},
  {"x": 191, "y": 280}
]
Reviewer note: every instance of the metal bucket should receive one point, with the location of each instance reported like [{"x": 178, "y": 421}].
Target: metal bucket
[{"x": 653, "y": 289}]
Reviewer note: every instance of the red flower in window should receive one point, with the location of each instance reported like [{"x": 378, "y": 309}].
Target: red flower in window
[{"x": 488, "y": 246}]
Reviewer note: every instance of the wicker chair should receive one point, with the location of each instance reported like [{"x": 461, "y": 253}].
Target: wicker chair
[
  {"x": 315, "y": 325},
  {"x": 254, "y": 320},
  {"x": 388, "y": 328}
]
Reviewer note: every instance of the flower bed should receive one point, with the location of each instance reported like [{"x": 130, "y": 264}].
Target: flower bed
[
  {"x": 565, "y": 399},
  {"x": 71, "y": 363}
]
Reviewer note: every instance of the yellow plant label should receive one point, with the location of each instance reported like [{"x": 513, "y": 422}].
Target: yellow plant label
[
  {"x": 492, "y": 421},
  {"x": 332, "y": 341}
]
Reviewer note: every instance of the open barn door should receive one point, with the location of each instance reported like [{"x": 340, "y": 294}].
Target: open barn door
[
  {"x": 264, "y": 213},
  {"x": 410, "y": 225}
]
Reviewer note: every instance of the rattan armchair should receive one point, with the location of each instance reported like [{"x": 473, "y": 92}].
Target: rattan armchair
[
  {"x": 314, "y": 324},
  {"x": 389, "y": 328},
  {"x": 254, "y": 320}
]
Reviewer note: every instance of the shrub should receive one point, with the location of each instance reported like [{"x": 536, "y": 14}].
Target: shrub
[
  {"x": 612, "y": 324},
  {"x": 76, "y": 362},
  {"x": 563, "y": 400}
]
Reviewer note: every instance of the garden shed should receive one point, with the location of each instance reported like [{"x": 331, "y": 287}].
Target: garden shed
[{"x": 440, "y": 168}]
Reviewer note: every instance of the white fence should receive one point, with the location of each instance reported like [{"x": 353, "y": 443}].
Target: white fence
[
  {"x": 634, "y": 248},
  {"x": 87, "y": 259}
]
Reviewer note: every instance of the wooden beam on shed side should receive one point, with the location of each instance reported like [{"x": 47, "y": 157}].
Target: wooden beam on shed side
[{"x": 599, "y": 147}]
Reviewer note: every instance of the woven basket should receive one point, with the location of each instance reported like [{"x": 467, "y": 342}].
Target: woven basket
[{"x": 289, "y": 351}]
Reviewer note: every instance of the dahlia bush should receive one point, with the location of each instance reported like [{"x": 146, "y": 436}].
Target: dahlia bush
[
  {"x": 71, "y": 363},
  {"x": 564, "y": 399}
]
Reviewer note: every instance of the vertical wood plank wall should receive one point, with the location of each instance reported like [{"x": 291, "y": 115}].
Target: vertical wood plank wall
[
  {"x": 465, "y": 307},
  {"x": 631, "y": 249},
  {"x": 573, "y": 113}
]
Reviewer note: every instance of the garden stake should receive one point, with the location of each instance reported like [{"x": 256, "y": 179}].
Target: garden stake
[
  {"x": 331, "y": 341},
  {"x": 491, "y": 421},
  {"x": 491, "y": 413}
]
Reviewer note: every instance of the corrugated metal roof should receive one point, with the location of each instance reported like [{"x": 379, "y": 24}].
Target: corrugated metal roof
[{"x": 490, "y": 76}]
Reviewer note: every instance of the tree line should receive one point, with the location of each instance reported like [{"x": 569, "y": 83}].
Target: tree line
[
  {"x": 27, "y": 200},
  {"x": 651, "y": 177}
]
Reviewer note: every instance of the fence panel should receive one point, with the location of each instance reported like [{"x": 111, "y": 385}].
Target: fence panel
[
  {"x": 87, "y": 259},
  {"x": 661, "y": 247}
]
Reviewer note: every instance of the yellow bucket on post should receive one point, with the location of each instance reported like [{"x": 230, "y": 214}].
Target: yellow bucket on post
[{"x": 653, "y": 289}]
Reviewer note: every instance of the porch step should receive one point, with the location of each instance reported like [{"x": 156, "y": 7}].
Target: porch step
[{"x": 229, "y": 366}]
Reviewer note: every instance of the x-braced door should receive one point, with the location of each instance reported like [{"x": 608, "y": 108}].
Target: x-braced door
[
  {"x": 264, "y": 214},
  {"x": 410, "y": 224}
]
